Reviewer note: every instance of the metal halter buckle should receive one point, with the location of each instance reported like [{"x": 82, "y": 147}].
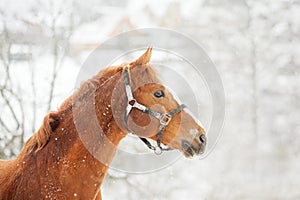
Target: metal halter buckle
[{"x": 165, "y": 119}]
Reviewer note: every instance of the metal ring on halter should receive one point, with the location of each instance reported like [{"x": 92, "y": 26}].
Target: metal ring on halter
[
  {"x": 158, "y": 150},
  {"x": 132, "y": 102}
]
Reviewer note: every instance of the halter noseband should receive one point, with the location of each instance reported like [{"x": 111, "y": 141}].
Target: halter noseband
[{"x": 164, "y": 118}]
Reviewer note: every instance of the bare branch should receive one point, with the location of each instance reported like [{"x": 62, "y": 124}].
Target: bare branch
[
  {"x": 20, "y": 102},
  {"x": 33, "y": 89},
  {"x": 5, "y": 54},
  {"x": 54, "y": 67},
  {"x": 58, "y": 59},
  {"x": 12, "y": 111},
  {"x": 4, "y": 126}
]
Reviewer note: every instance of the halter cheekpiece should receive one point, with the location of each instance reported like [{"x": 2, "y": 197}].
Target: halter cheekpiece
[{"x": 164, "y": 118}]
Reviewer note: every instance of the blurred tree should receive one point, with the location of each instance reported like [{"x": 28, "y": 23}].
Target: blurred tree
[{"x": 54, "y": 24}]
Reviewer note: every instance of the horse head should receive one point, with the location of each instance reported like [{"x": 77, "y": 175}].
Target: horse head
[{"x": 153, "y": 111}]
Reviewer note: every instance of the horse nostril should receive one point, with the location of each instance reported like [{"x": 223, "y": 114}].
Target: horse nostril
[{"x": 202, "y": 138}]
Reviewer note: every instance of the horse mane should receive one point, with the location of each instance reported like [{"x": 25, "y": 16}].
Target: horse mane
[
  {"x": 40, "y": 138},
  {"x": 52, "y": 120}
]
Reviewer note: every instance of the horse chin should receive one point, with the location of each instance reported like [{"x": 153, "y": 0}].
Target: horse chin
[{"x": 189, "y": 153}]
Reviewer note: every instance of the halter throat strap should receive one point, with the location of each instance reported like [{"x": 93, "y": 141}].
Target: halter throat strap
[{"x": 164, "y": 118}]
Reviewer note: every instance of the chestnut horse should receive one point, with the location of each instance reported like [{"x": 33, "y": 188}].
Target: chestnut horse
[{"x": 55, "y": 163}]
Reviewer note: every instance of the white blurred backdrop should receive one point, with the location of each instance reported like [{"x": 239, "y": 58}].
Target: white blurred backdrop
[{"x": 255, "y": 46}]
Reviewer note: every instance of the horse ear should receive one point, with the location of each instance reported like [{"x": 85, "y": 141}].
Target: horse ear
[{"x": 144, "y": 59}]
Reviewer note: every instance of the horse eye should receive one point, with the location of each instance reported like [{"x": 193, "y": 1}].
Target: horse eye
[{"x": 159, "y": 94}]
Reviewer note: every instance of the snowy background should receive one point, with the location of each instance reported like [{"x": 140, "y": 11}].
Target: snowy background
[{"x": 255, "y": 46}]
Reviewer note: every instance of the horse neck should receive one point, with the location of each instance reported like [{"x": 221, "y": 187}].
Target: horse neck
[
  {"x": 84, "y": 141},
  {"x": 94, "y": 127}
]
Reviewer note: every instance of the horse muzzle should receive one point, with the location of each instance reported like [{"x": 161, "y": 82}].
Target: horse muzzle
[{"x": 196, "y": 147}]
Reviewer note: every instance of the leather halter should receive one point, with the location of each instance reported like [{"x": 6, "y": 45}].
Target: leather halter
[{"x": 164, "y": 118}]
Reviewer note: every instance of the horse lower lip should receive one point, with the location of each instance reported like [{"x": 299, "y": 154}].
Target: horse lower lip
[
  {"x": 190, "y": 150},
  {"x": 187, "y": 148}
]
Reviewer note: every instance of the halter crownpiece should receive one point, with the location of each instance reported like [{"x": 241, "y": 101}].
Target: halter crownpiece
[{"x": 164, "y": 118}]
